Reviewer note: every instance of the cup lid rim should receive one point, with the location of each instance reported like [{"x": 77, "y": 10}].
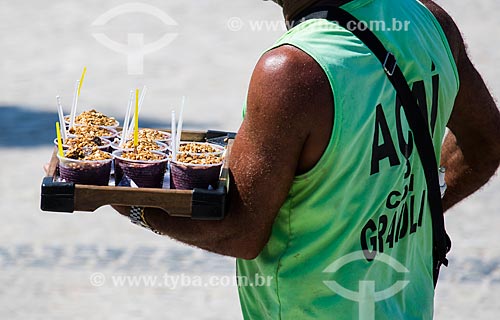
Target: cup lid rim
[{"x": 197, "y": 164}]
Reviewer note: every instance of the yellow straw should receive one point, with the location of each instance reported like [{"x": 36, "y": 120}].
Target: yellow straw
[
  {"x": 59, "y": 140},
  {"x": 136, "y": 118},
  {"x": 81, "y": 80}
]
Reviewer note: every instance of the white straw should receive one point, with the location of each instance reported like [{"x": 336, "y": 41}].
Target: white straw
[
  {"x": 61, "y": 118},
  {"x": 179, "y": 125},
  {"x": 141, "y": 98},
  {"x": 127, "y": 118},
  {"x": 174, "y": 151},
  {"x": 141, "y": 101},
  {"x": 74, "y": 105}
]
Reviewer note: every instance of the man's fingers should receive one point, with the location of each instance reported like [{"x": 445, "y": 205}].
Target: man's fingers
[{"x": 46, "y": 168}]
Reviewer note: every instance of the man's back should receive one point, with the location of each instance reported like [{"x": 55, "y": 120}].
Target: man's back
[{"x": 367, "y": 191}]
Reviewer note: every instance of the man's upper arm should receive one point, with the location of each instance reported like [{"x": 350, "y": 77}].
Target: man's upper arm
[
  {"x": 471, "y": 152},
  {"x": 475, "y": 120},
  {"x": 283, "y": 93}
]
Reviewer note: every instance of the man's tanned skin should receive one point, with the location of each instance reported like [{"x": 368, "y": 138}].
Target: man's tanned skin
[
  {"x": 471, "y": 152},
  {"x": 287, "y": 127}
]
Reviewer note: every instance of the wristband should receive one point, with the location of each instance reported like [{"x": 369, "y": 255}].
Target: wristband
[{"x": 137, "y": 217}]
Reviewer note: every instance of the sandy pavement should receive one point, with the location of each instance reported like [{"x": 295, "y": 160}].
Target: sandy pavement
[{"x": 71, "y": 266}]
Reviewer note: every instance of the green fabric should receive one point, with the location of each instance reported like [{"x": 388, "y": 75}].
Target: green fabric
[{"x": 360, "y": 194}]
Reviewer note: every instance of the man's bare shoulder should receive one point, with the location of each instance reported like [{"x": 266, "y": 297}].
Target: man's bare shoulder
[
  {"x": 290, "y": 75},
  {"x": 288, "y": 85},
  {"x": 285, "y": 56},
  {"x": 289, "y": 89}
]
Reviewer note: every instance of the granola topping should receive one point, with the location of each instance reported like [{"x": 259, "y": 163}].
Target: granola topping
[
  {"x": 197, "y": 148},
  {"x": 91, "y": 131},
  {"x": 95, "y": 118},
  {"x": 152, "y": 134},
  {"x": 143, "y": 155},
  {"x": 87, "y": 153},
  {"x": 84, "y": 141},
  {"x": 144, "y": 145}
]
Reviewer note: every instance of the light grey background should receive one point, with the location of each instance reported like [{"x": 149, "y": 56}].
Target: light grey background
[{"x": 47, "y": 261}]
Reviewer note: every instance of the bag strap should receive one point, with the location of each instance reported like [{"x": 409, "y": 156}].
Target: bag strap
[{"x": 416, "y": 120}]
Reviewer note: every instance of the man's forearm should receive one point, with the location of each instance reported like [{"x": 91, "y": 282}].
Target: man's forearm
[
  {"x": 464, "y": 176},
  {"x": 222, "y": 237}
]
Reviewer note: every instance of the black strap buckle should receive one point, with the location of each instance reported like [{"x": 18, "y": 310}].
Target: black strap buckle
[{"x": 390, "y": 64}]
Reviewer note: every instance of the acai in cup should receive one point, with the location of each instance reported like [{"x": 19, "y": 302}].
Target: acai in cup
[
  {"x": 145, "y": 168},
  {"x": 196, "y": 165},
  {"x": 89, "y": 166}
]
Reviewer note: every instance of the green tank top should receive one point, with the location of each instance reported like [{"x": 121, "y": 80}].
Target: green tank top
[{"x": 353, "y": 239}]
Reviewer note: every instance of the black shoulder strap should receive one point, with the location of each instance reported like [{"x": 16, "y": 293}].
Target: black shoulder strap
[{"x": 416, "y": 120}]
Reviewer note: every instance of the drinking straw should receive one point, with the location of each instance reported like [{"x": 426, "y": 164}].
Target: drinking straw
[
  {"x": 179, "y": 126},
  {"x": 127, "y": 118},
  {"x": 81, "y": 80},
  {"x": 73, "y": 106},
  {"x": 76, "y": 95},
  {"x": 59, "y": 142},
  {"x": 174, "y": 139},
  {"x": 136, "y": 126},
  {"x": 141, "y": 101},
  {"x": 61, "y": 117}
]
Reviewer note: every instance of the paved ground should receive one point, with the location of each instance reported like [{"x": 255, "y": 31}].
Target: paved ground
[{"x": 60, "y": 267}]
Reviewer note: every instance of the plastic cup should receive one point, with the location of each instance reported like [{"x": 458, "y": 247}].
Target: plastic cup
[
  {"x": 114, "y": 126},
  {"x": 167, "y": 140},
  {"x": 145, "y": 174},
  {"x": 89, "y": 172},
  {"x": 118, "y": 172},
  {"x": 187, "y": 176}
]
